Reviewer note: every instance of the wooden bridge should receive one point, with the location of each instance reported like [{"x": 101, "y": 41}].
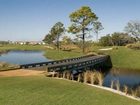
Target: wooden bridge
[{"x": 79, "y": 63}]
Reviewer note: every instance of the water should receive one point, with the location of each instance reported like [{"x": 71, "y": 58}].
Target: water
[
  {"x": 125, "y": 77},
  {"x": 129, "y": 78},
  {"x": 23, "y": 57}
]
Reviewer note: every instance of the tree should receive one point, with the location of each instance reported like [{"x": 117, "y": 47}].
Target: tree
[
  {"x": 133, "y": 28},
  {"x": 97, "y": 26},
  {"x": 121, "y": 39},
  {"x": 67, "y": 40},
  {"x": 116, "y": 39},
  {"x": 106, "y": 40},
  {"x": 49, "y": 38},
  {"x": 81, "y": 20},
  {"x": 57, "y": 30},
  {"x": 55, "y": 33}
]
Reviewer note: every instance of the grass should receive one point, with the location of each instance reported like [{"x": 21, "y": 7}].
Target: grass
[
  {"x": 48, "y": 91},
  {"x": 52, "y": 54},
  {"x": 122, "y": 58},
  {"x": 55, "y": 54},
  {"x": 21, "y": 47},
  {"x": 6, "y": 66},
  {"x": 125, "y": 58}
]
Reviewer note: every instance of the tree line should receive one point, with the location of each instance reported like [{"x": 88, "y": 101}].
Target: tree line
[
  {"x": 116, "y": 39},
  {"x": 131, "y": 35},
  {"x": 83, "y": 21}
]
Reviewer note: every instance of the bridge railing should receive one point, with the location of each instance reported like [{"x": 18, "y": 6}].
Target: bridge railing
[
  {"x": 53, "y": 62},
  {"x": 81, "y": 64}
]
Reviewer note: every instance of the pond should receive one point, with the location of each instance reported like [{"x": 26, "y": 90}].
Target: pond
[
  {"x": 23, "y": 57},
  {"x": 130, "y": 78},
  {"x": 125, "y": 77}
]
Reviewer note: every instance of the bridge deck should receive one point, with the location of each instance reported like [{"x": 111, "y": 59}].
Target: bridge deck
[
  {"x": 72, "y": 63},
  {"x": 32, "y": 65},
  {"x": 78, "y": 64}
]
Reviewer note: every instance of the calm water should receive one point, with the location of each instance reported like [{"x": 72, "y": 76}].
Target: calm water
[
  {"x": 23, "y": 57},
  {"x": 129, "y": 78}
]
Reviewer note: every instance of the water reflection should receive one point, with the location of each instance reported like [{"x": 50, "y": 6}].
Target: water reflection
[
  {"x": 125, "y": 77},
  {"x": 23, "y": 57}
]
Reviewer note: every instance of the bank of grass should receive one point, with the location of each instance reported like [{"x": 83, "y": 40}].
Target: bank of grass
[
  {"x": 125, "y": 58},
  {"x": 21, "y": 47},
  {"x": 55, "y": 54},
  {"x": 6, "y": 66},
  {"x": 48, "y": 91},
  {"x": 122, "y": 58},
  {"x": 52, "y": 54}
]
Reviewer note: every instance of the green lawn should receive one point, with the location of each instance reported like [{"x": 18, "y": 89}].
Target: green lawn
[
  {"x": 39, "y": 90},
  {"x": 125, "y": 58},
  {"x": 52, "y": 54},
  {"x": 55, "y": 54},
  {"x": 21, "y": 47},
  {"x": 122, "y": 58}
]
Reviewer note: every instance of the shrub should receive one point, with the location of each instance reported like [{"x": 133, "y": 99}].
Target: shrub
[
  {"x": 100, "y": 78},
  {"x": 115, "y": 47},
  {"x": 112, "y": 84},
  {"x": 125, "y": 89},
  {"x": 135, "y": 46},
  {"x": 116, "y": 39},
  {"x": 115, "y": 85},
  {"x": 118, "y": 85},
  {"x": 135, "y": 92},
  {"x": 6, "y": 66},
  {"x": 94, "y": 77}
]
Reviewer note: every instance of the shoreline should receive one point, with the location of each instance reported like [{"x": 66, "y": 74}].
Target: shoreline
[
  {"x": 50, "y": 54},
  {"x": 26, "y": 72},
  {"x": 107, "y": 89}
]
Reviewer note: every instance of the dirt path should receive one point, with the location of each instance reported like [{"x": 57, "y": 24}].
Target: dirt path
[{"x": 20, "y": 72}]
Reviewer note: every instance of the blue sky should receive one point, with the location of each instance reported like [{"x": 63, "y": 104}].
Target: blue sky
[{"x": 32, "y": 19}]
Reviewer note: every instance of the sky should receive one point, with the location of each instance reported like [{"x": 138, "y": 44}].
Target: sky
[{"x": 31, "y": 20}]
